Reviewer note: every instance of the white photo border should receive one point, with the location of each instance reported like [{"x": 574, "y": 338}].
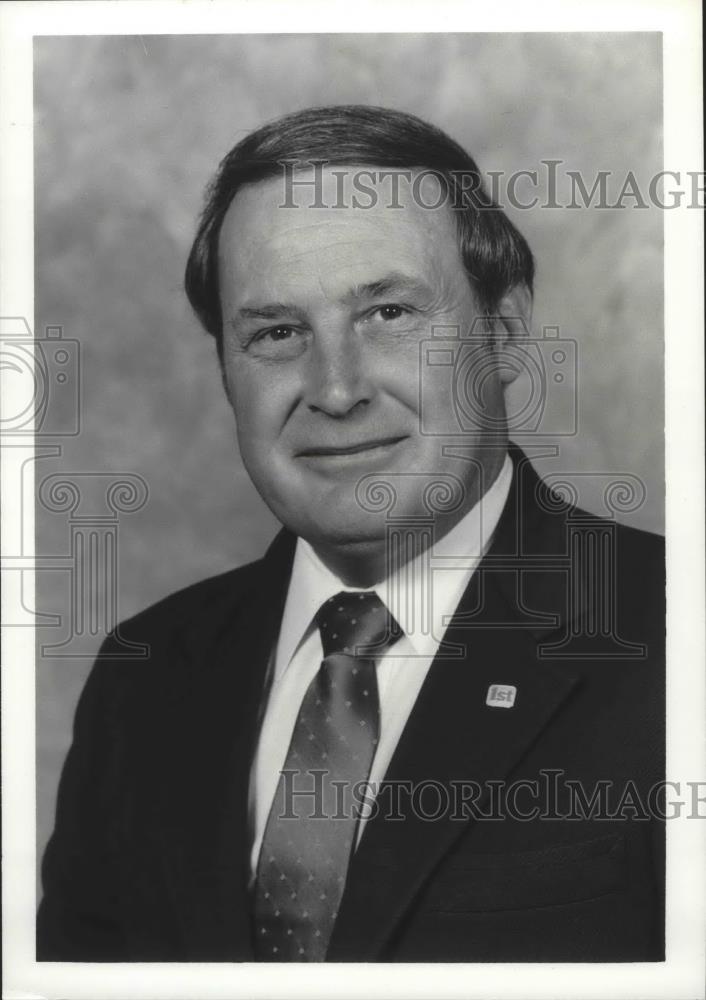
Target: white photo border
[{"x": 683, "y": 975}]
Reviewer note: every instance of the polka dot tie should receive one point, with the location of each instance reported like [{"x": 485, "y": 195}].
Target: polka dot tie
[{"x": 312, "y": 824}]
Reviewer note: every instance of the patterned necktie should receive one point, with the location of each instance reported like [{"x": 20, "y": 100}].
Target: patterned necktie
[{"x": 312, "y": 824}]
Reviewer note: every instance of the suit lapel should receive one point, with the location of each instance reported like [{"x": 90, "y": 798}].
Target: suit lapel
[
  {"x": 204, "y": 801},
  {"x": 452, "y": 735}
]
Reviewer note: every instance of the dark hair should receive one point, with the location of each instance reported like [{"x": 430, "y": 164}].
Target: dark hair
[{"x": 495, "y": 255}]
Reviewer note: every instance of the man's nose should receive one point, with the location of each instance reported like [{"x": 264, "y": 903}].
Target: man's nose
[{"x": 337, "y": 380}]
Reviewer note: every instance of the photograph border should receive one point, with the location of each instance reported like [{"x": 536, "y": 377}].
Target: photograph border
[{"x": 683, "y": 974}]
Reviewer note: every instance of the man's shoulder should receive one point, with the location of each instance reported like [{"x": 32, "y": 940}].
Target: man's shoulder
[
  {"x": 625, "y": 566},
  {"x": 646, "y": 546},
  {"x": 202, "y": 601},
  {"x": 157, "y": 655},
  {"x": 637, "y": 556},
  {"x": 635, "y": 543},
  {"x": 550, "y": 515},
  {"x": 161, "y": 646}
]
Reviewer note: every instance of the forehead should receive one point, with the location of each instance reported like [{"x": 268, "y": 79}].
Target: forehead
[{"x": 296, "y": 239}]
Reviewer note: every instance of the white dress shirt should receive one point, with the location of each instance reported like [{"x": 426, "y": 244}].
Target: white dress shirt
[{"x": 400, "y": 671}]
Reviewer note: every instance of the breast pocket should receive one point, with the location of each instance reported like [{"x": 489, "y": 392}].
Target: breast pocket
[{"x": 554, "y": 875}]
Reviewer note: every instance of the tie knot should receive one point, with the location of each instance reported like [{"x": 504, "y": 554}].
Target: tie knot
[{"x": 357, "y": 623}]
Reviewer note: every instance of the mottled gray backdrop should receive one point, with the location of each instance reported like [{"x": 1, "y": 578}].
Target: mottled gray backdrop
[{"x": 129, "y": 129}]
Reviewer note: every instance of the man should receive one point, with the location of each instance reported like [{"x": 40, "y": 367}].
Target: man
[{"x": 393, "y": 736}]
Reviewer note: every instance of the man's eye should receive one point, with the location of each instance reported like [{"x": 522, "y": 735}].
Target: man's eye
[
  {"x": 276, "y": 333},
  {"x": 280, "y": 343},
  {"x": 391, "y": 311}
]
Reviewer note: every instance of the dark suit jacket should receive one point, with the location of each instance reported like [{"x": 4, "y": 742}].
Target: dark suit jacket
[{"x": 149, "y": 858}]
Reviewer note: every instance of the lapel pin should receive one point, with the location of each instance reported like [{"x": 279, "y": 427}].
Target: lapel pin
[{"x": 501, "y": 695}]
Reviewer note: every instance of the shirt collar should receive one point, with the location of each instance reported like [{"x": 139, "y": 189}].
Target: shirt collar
[{"x": 459, "y": 551}]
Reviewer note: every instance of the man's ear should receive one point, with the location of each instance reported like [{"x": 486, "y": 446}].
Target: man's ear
[
  {"x": 222, "y": 369},
  {"x": 512, "y": 329},
  {"x": 226, "y": 387}
]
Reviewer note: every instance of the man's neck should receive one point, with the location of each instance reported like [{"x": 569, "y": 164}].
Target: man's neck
[{"x": 367, "y": 563}]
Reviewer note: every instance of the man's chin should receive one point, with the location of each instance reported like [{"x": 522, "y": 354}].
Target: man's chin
[
  {"x": 345, "y": 532},
  {"x": 358, "y": 558}
]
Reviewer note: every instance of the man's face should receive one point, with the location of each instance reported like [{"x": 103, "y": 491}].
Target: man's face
[{"x": 325, "y": 312}]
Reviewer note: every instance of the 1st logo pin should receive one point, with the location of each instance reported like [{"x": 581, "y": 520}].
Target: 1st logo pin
[{"x": 501, "y": 695}]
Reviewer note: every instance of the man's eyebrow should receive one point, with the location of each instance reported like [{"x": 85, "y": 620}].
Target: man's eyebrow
[
  {"x": 391, "y": 284},
  {"x": 270, "y": 310}
]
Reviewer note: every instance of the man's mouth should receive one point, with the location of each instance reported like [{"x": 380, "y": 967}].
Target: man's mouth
[{"x": 330, "y": 451}]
